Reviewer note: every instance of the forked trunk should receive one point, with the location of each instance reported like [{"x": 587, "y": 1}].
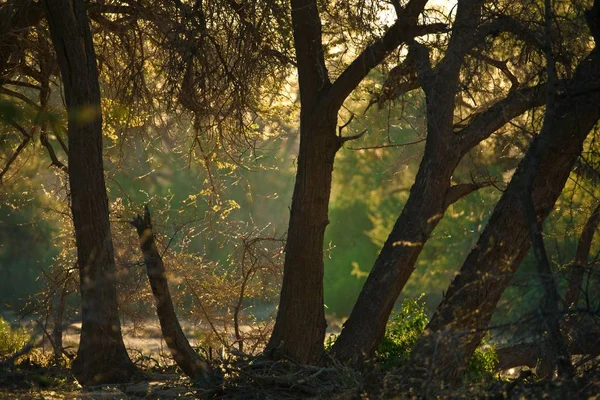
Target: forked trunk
[{"x": 101, "y": 356}]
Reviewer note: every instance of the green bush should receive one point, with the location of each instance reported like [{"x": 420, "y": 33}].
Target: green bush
[
  {"x": 11, "y": 339},
  {"x": 402, "y": 332},
  {"x": 482, "y": 364},
  {"x": 405, "y": 328}
]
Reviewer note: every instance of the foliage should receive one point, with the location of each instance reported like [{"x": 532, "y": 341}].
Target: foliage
[
  {"x": 402, "y": 332},
  {"x": 482, "y": 365},
  {"x": 404, "y": 329},
  {"x": 11, "y": 339}
]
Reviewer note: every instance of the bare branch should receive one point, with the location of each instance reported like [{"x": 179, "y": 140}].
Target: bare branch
[
  {"x": 14, "y": 157},
  {"x": 404, "y": 29},
  {"x": 352, "y": 137},
  {"x": 458, "y": 191},
  {"x": 483, "y": 124}
]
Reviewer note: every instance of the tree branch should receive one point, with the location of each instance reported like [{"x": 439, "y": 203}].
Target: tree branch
[
  {"x": 14, "y": 157},
  {"x": 312, "y": 72},
  {"x": 458, "y": 191},
  {"x": 581, "y": 257},
  {"x": 483, "y": 124},
  {"x": 404, "y": 29}
]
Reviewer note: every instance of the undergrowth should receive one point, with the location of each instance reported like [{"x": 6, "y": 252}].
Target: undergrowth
[
  {"x": 11, "y": 339},
  {"x": 404, "y": 329}
]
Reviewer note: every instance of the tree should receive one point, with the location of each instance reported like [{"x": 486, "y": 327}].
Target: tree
[
  {"x": 101, "y": 356},
  {"x": 299, "y": 329},
  {"x": 181, "y": 350},
  {"x": 473, "y": 37},
  {"x": 460, "y": 321}
]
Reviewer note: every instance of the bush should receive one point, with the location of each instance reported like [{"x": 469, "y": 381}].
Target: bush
[
  {"x": 406, "y": 327},
  {"x": 11, "y": 339},
  {"x": 402, "y": 332},
  {"x": 482, "y": 364}
]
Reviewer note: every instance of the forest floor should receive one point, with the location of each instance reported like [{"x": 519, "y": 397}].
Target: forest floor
[
  {"x": 264, "y": 379},
  {"x": 245, "y": 377}
]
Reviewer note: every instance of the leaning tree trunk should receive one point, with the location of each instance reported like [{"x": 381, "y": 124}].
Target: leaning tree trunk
[
  {"x": 101, "y": 356},
  {"x": 460, "y": 321},
  {"x": 184, "y": 355},
  {"x": 429, "y": 198}
]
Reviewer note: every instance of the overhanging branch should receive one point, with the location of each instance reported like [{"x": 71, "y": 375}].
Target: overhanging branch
[{"x": 404, "y": 29}]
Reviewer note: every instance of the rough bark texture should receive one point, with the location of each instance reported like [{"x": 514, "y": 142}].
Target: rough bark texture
[
  {"x": 300, "y": 326},
  {"x": 184, "y": 355},
  {"x": 101, "y": 356},
  {"x": 460, "y": 321},
  {"x": 581, "y": 258}
]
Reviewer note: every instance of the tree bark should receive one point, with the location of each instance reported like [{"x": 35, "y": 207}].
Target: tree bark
[
  {"x": 556, "y": 351},
  {"x": 300, "y": 325},
  {"x": 459, "y": 322},
  {"x": 184, "y": 355},
  {"x": 101, "y": 356}
]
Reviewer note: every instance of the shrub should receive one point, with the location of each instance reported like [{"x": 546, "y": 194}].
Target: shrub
[
  {"x": 402, "y": 332},
  {"x": 11, "y": 339},
  {"x": 405, "y": 328},
  {"x": 482, "y": 364}
]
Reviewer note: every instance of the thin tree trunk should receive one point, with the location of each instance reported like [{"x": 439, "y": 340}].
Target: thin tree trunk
[
  {"x": 184, "y": 355},
  {"x": 460, "y": 321},
  {"x": 581, "y": 258},
  {"x": 101, "y": 356},
  {"x": 57, "y": 330}
]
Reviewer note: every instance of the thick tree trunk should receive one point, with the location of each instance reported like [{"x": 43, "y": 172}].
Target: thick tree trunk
[
  {"x": 184, "y": 355},
  {"x": 460, "y": 321},
  {"x": 101, "y": 356},
  {"x": 300, "y": 326}
]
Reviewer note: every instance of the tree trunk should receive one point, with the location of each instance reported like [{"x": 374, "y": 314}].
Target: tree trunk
[
  {"x": 529, "y": 354},
  {"x": 581, "y": 258},
  {"x": 184, "y": 355},
  {"x": 101, "y": 356},
  {"x": 460, "y": 321},
  {"x": 300, "y": 325},
  {"x": 299, "y": 329},
  {"x": 424, "y": 209},
  {"x": 429, "y": 197}
]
